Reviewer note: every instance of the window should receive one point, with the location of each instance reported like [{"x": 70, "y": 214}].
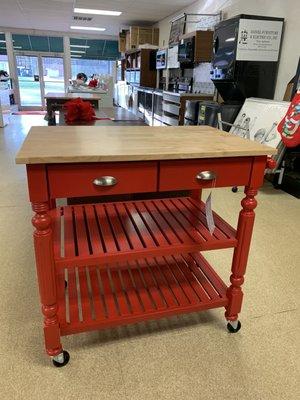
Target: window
[
  {"x": 4, "y": 63},
  {"x": 90, "y": 67}
]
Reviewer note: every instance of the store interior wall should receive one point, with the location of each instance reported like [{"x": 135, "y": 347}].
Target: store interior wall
[{"x": 288, "y": 9}]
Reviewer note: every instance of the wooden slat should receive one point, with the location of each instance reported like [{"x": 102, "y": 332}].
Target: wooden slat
[
  {"x": 117, "y": 227},
  {"x": 191, "y": 279},
  {"x": 84, "y": 294},
  {"x": 151, "y": 224},
  {"x": 151, "y": 285},
  {"x": 105, "y": 228},
  {"x": 56, "y": 228},
  {"x": 182, "y": 281},
  {"x": 122, "y": 303},
  {"x": 192, "y": 216},
  {"x": 175, "y": 226},
  {"x": 133, "y": 298},
  {"x": 210, "y": 273},
  {"x": 165, "y": 227},
  {"x": 228, "y": 230},
  {"x": 95, "y": 235},
  {"x": 129, "y": 227},
  {"x": 173, "y": 284},
  {"x": 144, "y": 294},
  {"x": 147, "y": 238},
  {"x": 201, "y": 278},
  {"x": 198, "y": 209},
  {"x": 97, "y": 301},
  {"x": 108, "y": 295},
  {"x": 73, "y": 302},
  {"x": 166, "y": 291},
  {"x": 178, "y": 223},
  {"x": 81, "y": 233},
  {"x": 69, "y": 243}
]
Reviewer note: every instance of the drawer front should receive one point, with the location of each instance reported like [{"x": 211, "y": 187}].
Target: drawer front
[
  {"x": 182, "y": 175},
  {"x": 173, "y": 98},
  {"x": 171, "y": 108},
  {"x": 170, "y": 121},
  {"x": 79, "y": 180}
]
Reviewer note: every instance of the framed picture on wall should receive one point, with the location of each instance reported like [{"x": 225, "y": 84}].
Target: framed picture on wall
[{"x": 177, "y": 30}]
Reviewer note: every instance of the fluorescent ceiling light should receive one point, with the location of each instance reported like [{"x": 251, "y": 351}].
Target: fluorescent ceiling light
[
  {"x": 78, "y": 51},
  {"x": 88, "y": 28},
  {"x": 2, "y": 41},
  {"x": 80, "y": 46},
  {"x": 17, "y": 47},
  {"x": 97, "y": 12},
  {"x": 76, "y": 56}
]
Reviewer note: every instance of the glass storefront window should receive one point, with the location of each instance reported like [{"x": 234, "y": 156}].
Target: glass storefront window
[{"x": 90, "y": 67}]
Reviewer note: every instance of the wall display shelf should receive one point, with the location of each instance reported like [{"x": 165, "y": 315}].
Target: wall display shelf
[{"x": 107, "y": 264}]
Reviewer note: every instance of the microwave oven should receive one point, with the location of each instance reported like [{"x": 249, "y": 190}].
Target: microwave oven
[
  {"x": 186, "y": 50},
  {"x": 161, "y": 59}
]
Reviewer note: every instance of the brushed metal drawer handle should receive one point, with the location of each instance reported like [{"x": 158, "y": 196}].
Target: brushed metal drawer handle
[
  {"x": 105, "y": 181},
  {"x": 206, "y": 176}
]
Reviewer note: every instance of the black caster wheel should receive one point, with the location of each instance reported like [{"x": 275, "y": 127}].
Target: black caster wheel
[
  {"x": 233, "y": 329},
  {"x": 59, "y": 364},
  {"x": 234, "y": 189}
]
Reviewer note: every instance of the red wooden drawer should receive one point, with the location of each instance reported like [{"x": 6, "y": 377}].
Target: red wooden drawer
[
  {"x": 181, "y": 175},
  {"x": 76, "y": 180}
]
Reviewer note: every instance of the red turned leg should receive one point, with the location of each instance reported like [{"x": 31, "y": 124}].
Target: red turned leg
[
  {"x": 240, "y": 256},
  {"x": 46, "y": 276}
]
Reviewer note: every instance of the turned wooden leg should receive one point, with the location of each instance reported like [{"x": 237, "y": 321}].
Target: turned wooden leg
[
  {"x": 240, "y": 256},
  {"x": 46, "y": 276}
]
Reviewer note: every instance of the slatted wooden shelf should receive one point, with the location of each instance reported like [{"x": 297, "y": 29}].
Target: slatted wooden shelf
[
  {"x": 96, "y": 298},
  {"x": 111, "y": 232}
]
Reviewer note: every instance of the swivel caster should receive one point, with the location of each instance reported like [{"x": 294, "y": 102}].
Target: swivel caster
[
  {"x": 234, "y": 326},
  {"x": 235, "y": 189},
  {"x": 61, "y": 359}
]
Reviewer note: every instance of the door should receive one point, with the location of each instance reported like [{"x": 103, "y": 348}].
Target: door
[
  {"x": 37, "y": 76},
  {"x": 29, "y": 81},
  {"x": 53, "y": 74}
]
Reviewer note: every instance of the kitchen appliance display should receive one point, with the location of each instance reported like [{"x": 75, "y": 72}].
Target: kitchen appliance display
[{"x": 246, "y": 54}]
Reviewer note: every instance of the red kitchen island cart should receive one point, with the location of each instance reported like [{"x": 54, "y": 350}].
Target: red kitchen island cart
[{"x": 106, "y": 264}]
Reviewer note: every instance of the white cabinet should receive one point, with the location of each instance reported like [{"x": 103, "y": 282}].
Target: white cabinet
[{"x": 4, "y": 107}]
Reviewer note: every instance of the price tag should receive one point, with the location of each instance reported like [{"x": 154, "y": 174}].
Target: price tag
[{"x": 209, "y": 215}]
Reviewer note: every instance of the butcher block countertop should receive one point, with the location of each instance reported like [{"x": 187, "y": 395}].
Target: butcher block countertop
[{"x": 69, "y": 144}]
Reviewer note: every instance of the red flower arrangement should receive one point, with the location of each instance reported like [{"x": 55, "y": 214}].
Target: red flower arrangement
[
  {"x": 93, "y": 83},
  {"x": 78, "y": 110}
]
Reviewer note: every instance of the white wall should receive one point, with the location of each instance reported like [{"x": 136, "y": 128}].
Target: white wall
[{"x": 288, "y": 9}]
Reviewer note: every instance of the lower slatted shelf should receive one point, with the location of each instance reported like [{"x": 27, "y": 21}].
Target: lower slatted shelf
[
  {"x": 152, "y": 288},
  {"x": 93, "y": 234}
]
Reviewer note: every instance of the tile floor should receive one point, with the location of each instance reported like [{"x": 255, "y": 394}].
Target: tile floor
[{"x": 189, "y": 357}]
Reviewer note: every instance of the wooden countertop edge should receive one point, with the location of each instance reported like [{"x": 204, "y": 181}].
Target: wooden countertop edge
[{"x": 135, "y": 157}]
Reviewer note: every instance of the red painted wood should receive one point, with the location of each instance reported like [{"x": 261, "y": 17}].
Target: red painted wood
[
  {"x": 106, "y": 233},
  {"x": 121, "y": 299},
  {"x": 146, "y": 291},
  {"x": 37, "y": 183},
  {"x": 44, "y": 256},
  {"x": 135, "y": 303},
  {"x": 84, "y": 294},
  {"x": 76, "y": 180},
  {"x": 181, "y": 175},
  {"x": 108, "y": 295},
  {"x": 97, "y": 297},
  {"x": 151, "y": 285},
  {"x": 240, "y": 256},
  {"x": 72, "y": 292}
]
